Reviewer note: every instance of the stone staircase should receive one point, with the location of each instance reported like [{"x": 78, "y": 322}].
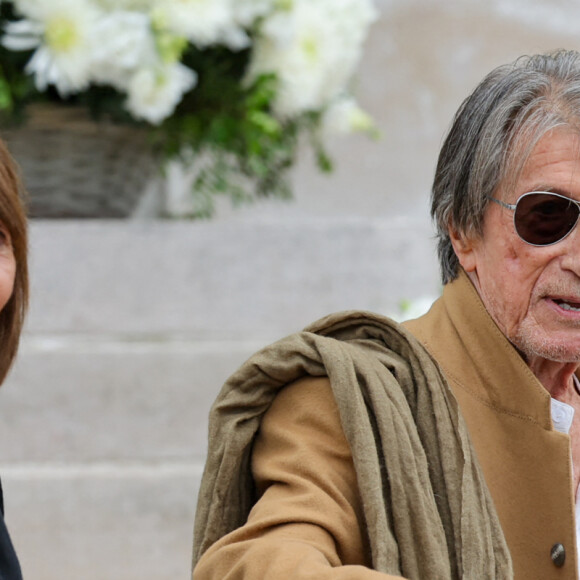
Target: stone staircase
[{"x": 133, "y": 328}]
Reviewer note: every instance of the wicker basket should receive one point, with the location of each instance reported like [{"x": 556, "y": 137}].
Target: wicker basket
[{"x": 76, "y": 168}]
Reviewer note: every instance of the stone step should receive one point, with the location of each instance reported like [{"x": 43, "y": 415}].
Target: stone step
[
  {"x": 95, "y": 400},
  {"x": 228, "y": 280},
  {"x": 102, "y": 522}
]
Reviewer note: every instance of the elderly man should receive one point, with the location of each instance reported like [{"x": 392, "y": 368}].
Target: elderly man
[{"x": 359, "y": 463}]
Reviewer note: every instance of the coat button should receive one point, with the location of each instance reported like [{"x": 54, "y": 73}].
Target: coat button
[{"x": 558, "y": 555}]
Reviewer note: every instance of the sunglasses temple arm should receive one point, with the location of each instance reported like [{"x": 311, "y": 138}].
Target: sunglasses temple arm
[{"x": 502, "y": 203}]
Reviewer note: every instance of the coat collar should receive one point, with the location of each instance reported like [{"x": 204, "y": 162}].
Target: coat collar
[{"x": 476, "y": 356}]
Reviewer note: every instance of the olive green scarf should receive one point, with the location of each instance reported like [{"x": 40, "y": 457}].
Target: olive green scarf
[{"x": 427, "y": 508}]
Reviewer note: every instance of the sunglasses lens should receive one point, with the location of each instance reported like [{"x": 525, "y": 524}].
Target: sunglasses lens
[{"x": 544, "y": 218}]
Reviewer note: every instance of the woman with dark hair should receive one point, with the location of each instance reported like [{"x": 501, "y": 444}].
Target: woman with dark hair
[{"x": 13, "y": 304}]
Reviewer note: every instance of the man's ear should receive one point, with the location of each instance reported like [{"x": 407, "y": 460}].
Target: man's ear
[{"x": 464, "y": 247}]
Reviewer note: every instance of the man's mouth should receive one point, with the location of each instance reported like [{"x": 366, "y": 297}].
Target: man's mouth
[{"x": 567, "y": 305}]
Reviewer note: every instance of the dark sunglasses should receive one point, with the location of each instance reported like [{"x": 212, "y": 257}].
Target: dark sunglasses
[{"x": 542, "y": 218}]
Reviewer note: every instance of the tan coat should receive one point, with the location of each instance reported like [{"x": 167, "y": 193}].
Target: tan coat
[
  {"x": 526, "y": 463},
  {"x": 308, "y": 523}
]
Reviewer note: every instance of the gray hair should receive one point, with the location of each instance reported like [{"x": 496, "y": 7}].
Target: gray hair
[{"x": 491, "y": 137}]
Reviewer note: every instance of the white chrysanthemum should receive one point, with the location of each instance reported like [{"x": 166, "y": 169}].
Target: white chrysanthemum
[
  {"x": 248, "y": 11},
  {"x": 61, "y": 31},
  {"x": 153, "y": 93},
  {"x": 344, "y": 116},
  {"x": 123, "y": 43},
  {"x": 313, "y": 47},
  {"x": 203, "y": 22}
]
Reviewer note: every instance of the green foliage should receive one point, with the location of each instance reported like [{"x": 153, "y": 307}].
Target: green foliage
[{"x": 251, "y": 150}]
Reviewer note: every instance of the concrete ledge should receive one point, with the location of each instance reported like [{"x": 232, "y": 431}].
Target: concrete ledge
[
  {"x": 222, "y": 281},
  {"x": 102, "y": 523},
  {"x": 136, "y": 401}
]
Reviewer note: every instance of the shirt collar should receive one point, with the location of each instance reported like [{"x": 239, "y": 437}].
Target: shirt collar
[{"x": 562, "y": 413}]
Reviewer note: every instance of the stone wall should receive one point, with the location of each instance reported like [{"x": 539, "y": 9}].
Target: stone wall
[{"x": 135, "y": 325}]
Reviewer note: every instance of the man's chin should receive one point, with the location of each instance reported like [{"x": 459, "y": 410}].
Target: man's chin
[{"x": 561, "y": 349}]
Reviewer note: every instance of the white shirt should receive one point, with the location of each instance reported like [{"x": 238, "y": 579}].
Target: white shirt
[{"x": 562, "y": 415}]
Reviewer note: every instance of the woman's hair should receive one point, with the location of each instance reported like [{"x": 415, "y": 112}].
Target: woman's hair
[
  {"x": 492, "y": 136},
  {"x": 13, "y": 218}
]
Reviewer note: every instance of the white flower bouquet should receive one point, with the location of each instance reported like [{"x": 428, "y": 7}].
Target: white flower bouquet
[{"x": 241, "y": 80}]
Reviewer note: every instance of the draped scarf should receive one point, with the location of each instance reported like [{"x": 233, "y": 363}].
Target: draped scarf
[{"x": 427, "y": 509}]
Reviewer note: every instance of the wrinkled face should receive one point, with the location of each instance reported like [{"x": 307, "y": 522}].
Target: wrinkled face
[
  {"x": 532, "y": 293},
  {"x": 7, "y": 267}
]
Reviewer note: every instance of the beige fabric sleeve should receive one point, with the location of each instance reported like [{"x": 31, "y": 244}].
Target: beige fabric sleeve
[{"x": 308, "y": 522}]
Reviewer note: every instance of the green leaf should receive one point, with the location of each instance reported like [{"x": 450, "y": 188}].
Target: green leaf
[
  {"x": 265, "y": 122},
  {"x": 6, "y": 102}
]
